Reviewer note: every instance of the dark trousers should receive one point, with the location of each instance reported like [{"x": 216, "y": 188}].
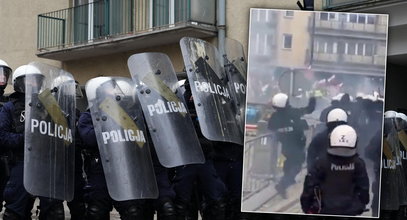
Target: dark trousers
[{"x": 18, "y": 200}]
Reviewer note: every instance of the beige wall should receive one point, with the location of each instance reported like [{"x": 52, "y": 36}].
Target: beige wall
[
  {"x": 18, "y": 20},
  {"x": 297, "y": 26}
]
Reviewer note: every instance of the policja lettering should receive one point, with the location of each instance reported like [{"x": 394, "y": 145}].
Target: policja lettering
[
  {"x": 211, "y": 88},
  {"x": 123, "y": 136},
  {"x": 53, "y": 130},
  {"x": 346, "y": 167},
  {"x": 240, "y": 88},
  {"x": 162, "y": 107},
  {"x": 389, "y": 164}
]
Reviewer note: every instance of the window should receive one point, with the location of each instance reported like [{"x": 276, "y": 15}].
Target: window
[
  {"x": 324, "y": 16},
  {"x": 368, "y": 49},
  {"x": 353, "y": 18},
  {"x": 371, "y": 19},
  {"x": 287, "y": 41},
  {"x": 351, "y": 48},
  {"x": 361, "y": 19},
  {"x": 289, "y": 13}
]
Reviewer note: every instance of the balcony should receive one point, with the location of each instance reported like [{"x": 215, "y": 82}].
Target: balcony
[
  {"x": 106, "y": 27},
  {"x": 341, "y": 4}
]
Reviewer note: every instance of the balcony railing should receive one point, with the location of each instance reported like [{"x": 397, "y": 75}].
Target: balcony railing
[
  {"x": 349, "y": 26},
  {"x": 333, "y": 4},
  {"x": 103, "y": 19}
]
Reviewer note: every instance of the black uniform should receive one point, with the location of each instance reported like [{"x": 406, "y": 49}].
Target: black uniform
[
  {"x": 317, "y": 147},
  {"x": 96, "y": 196},
  {"x": 18, "y": 201},
  {"x": 289, "y": 127},
  {"x": 341, "y": 185},
  {"x": 4, "y": 157}
]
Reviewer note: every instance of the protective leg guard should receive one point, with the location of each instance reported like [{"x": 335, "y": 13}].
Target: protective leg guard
[
  {"x": 132, "y": 212},
  {"x": 95, "y": 212},
  {"x": 55, "y": 212},
  {"x": 181, "y": 209},
  {"x": 166, "y": 209}
]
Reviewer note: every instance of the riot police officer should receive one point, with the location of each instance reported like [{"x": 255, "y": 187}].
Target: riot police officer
[
  {"x": 317, "y": 147},
  {"x": 204, "y": 175},
  {"x": 99, "y": 202},
  {"x": 5, "y": 72},
  {"x": 337, "y": 183},
  {"x": 289, "y": 128},
  {"x": 18, "y": 201}
]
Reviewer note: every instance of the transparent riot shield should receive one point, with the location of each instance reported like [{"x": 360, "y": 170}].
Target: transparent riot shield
[
  {"x": 122, "y": 139},
  {"x": 164, "y": 107},
  {"x": 394, "y": 186},
  {"x": 236, "y": 70},
  {"x": 212, "y": 97},
  {"x": 49, "y": 132}
]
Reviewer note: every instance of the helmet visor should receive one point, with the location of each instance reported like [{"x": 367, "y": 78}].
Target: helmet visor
[{"x": 5, "y": 72}]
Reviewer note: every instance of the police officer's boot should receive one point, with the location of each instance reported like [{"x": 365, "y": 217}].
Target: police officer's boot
[
  {"x": 214, "y": 210},
  {"x": 182, "y": 209},
  {"x": 166, "y": 209},
  {"x": 55, "y": 212}
]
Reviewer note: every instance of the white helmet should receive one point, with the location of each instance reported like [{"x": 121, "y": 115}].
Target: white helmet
[
  {"x": 390, "y": 114},
  {"x": 58, "y": 81},
  {"x": 93, "y": 84},
  {"x": 24, "y": 70},
  {"x": 402, "y": 116},
  {"x": 337, "y": 114},
  {"x": 279, "y": 100},
  {"x": 343, "y": 141},
  {"x": 5, "y": 72}
]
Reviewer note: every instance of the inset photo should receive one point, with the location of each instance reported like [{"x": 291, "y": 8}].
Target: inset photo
[{"x": 314, "y": 113}]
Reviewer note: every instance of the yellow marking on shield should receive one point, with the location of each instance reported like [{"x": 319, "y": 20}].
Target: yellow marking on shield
[
  {"x": 158, "y": 85},
  {"x": 387, "y": 150},
  {"x": 119, "y": 115},
  {"x": 403, "y": 138},
  {"x": 51, "y": 105}
]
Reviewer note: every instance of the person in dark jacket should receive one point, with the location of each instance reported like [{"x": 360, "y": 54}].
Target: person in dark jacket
[
  {"x": 100, "y": 204},
  {"x": 337, "y": 184},
  {"x": 5, "y": 72},
  {"x": 19, "y": 202},
  {"x": 289, "y": 128},
  {"x": 204, "y": 177},
  {"x": 317, "y": 147}
]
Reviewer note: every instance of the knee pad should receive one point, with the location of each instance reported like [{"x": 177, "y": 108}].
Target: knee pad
[
  {"x": 95, "y": 212},
  {"x": 132, "y": 212},
  {"x": 166, "y": 208},
  {"x": 10, "y": 215},
  {"x": 55, "y": 212},
  {"x": 181, "y": 207}
]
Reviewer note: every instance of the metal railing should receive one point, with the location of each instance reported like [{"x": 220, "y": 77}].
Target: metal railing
[
  {"x": 105, "y": 19},
  {"x": 261, "y": 165},
  {"x": 331, "y": 4}
]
